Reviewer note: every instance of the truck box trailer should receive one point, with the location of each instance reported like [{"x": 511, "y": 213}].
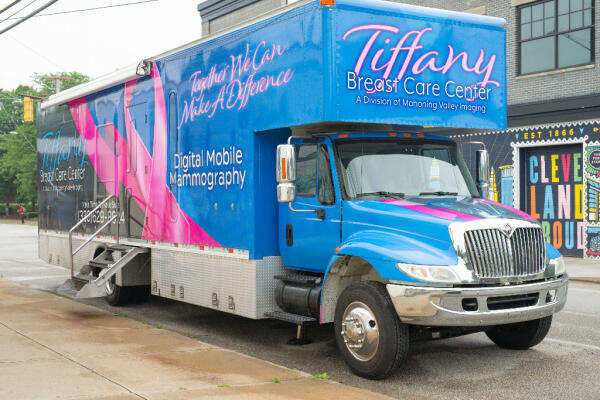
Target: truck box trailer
[{"x": 282, "y": 169}]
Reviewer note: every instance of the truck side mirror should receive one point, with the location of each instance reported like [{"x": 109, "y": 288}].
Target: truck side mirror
[
  {"x": 286, "y": 173},
  {"x": 483, "y": 173}
]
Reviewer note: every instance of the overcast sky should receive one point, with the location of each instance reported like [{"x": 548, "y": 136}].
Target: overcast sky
[{"x": 93, "y": 42}]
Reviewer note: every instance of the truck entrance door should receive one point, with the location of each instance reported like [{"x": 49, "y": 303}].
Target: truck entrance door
[
  {"x": 107, "y": 174},
  {"x": 305, "y": 240},
  {"x": 136, "y": 172}
]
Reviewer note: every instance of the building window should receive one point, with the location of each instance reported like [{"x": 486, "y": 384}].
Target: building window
[{"x": 555, "y": 34}]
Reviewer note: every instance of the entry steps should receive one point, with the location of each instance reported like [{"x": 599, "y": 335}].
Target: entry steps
[
  {"x": 89, "y": 282},
  {"x": 291, "y": 318},
  {"x": 296, "y": 319}
]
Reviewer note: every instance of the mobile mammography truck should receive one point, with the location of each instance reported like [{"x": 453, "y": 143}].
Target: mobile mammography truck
[{"x": 282, "y": 169}]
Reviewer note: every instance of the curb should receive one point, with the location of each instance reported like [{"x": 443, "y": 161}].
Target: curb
[{"x": 585, "y": 279}]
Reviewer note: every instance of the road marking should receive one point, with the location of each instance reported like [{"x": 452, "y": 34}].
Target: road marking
[
  {"x": 573, "y": 344},
  {"x": 33, "y": 278}
]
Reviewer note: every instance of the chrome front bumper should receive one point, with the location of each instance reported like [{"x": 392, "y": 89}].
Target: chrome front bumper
[{"x": 432, "y": 306}]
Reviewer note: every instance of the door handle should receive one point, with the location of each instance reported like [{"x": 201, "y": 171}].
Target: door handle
[
  {"x": 320, "y": 213},
  {"x": 289, "y": 235}
]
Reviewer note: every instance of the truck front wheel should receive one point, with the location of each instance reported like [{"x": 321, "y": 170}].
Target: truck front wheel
[
  {"x": 522, "y": 335},
  {"x": 368, "y": 332}
]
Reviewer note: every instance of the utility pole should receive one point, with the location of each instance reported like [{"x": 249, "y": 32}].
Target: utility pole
[{"x": 58, "y": 80}]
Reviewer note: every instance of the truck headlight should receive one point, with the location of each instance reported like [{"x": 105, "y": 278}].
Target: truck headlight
[
  {"x": 429, "y": 273},
  {"x": 559, "y": 265}
]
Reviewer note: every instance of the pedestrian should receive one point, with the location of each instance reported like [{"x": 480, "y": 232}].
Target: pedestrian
[
  {"x": 22, "y": 212},
  {"x": 6, "y": 210}
]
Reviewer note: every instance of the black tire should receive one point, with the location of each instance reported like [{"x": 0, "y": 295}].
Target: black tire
[
  {"x": 520, "y": 336},
  {"x": 119, "y": 295},
  {"x": 393, "y": 335}
]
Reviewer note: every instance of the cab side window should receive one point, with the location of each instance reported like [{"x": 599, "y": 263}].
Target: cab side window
[
  {"x": 325, "y": 183},
  {"x": 306, "y": 170}
]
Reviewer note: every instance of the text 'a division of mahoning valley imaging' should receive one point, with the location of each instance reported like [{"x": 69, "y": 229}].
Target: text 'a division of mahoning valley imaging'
[{"x": 208, "y": 168}]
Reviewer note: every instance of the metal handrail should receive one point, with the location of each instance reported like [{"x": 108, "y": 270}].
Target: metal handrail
[{"x": 82, "y": 220}]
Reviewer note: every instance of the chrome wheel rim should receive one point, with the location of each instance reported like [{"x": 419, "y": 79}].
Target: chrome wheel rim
[
  {"x": 360, "y": 331},
  {"x": 110, "y": 287}
]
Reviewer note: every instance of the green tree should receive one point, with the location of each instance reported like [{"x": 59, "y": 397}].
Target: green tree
[
  {"x": 8, "y": 188},
  {"x": 18, "y": 158},
  {"x": 46, "y": 86},
  {"x": 11, "y": 107},
  {"x": 18, "y": 165}
]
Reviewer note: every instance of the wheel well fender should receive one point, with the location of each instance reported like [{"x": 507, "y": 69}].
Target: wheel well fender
[
  {"x": 384, "y": 249},
  {"x": 341, "y": 272}
]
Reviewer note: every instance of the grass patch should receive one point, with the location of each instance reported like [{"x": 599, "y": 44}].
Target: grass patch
[
  {"x": 251, "y": 354},
  {"x": 323, "y": 376},
  {"x": 158, "y": 326},
  {"x": 223, "y": 385},
  {"x": 182, "y": 388},
  {"x": 276, "y": 380}
]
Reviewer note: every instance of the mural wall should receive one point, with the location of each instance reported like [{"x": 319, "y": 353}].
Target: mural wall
[
  {"x": 552, "y": 172},
  {"x": 592, "y": 196}
]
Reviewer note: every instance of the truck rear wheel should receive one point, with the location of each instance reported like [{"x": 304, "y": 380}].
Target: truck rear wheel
[
  {"x": 522, "y": 335},
  {"x": 368, "y": 332},
  {"x": 117, "y": 295}
]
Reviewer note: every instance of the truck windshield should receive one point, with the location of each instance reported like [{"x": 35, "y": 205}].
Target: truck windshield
[{"x": 403, "y": 168}]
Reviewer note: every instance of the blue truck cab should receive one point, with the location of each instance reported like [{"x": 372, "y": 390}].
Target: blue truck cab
[
  {"x": 285, "y": 168},
  {"x": 397, "y": 227}
]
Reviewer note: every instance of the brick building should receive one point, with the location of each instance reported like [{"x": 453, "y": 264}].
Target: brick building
[{"x": 548, "y": 162}]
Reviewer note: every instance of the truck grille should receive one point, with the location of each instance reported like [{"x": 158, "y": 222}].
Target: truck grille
[{"x": 492, "y": 254}]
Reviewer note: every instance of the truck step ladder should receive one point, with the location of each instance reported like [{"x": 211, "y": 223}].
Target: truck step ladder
[
  {"x": 302, "y": 323},
  {"x": 111, "y": 261}
]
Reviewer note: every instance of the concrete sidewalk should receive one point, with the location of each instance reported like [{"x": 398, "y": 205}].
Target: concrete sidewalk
[
  {"x": 583, "y": 269},
  {"x": 52, "y": 347}
]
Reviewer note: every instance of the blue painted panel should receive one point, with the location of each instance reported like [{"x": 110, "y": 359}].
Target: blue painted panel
[
  {"x": 551, "y": 251},
  {"x": 375, "y": 229},
  {"x": 408, "y": 65},
  {"x": 107, "y": 106},
  {"x": 228, "y": 89},
  {"x": 265, "y": 239},
  {"x": 143, "y": 92}
]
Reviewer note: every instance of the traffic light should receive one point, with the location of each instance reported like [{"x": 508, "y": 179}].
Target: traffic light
[{"x": 27, "y": 109}]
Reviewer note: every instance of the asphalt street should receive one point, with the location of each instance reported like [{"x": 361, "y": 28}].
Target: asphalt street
[{"x": 565, "y": 366}]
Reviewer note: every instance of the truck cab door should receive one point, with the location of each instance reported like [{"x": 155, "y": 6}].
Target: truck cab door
[{"x": 306, "y": 241}]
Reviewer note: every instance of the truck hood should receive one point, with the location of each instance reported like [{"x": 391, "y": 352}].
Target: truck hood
[{"x": 416, "y": 229}]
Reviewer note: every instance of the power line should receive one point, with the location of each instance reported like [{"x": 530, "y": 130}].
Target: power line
[
  {"x": 36, "y": 52},
  {"x": 18, "y": 11},
  {"x": 9, "y": 6},
  {"x": 25, "y": 18},
  {"x": 88, "y": 9}
]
